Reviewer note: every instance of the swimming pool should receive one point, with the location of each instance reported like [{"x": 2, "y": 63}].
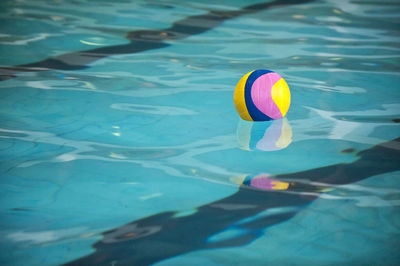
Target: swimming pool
[{"x": 120, "y": 144}]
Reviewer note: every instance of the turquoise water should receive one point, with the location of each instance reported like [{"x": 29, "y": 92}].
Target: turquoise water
[{"x": 137, "y": 156}]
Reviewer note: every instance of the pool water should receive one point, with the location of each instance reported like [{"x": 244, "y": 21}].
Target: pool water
[{"x": 120, "y": 143}]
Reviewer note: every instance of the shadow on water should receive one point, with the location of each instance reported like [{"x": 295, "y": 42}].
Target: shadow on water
[
  {"x": 167, "y": 234},
  {"x": 143, "y": 40}
]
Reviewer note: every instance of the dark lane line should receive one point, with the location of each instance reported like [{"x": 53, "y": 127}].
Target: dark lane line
[
  {"x": 143, "y": 40},
  {"x": 165, "y": 235}
]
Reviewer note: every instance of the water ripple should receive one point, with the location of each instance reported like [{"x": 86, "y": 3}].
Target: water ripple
[{"x": 152, "y": 109}]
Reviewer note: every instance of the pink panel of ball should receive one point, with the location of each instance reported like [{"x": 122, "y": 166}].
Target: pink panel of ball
[{"x": 261, "y": 95}]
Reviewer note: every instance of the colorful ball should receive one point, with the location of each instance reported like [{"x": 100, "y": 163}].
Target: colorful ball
[
  {"x": 262, "y": 95},
  {"x": 267, "y": 136}
]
